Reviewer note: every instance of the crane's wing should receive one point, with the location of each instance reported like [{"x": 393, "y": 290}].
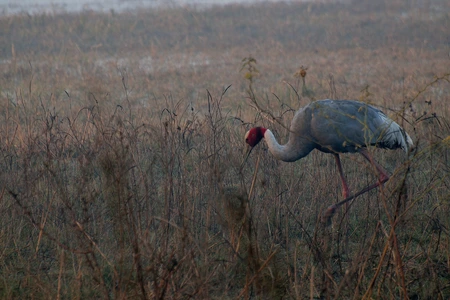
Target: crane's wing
[{"x": 347, "y": 125}]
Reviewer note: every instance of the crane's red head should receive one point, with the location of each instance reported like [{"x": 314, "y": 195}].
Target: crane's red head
[{"x": 254, "y": 136}]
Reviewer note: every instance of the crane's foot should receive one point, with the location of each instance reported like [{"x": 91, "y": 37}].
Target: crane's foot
[{"x": 328, "y": 214}]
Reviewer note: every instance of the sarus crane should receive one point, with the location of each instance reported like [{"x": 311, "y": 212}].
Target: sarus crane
[{"x": 336, "y": 126}]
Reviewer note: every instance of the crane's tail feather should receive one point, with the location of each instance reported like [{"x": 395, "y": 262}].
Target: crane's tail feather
[{"x": 394, "y": 136}]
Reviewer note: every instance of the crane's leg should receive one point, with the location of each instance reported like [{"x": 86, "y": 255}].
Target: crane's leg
[
  {"x": 345, "y": 190},
  {"x": 383, "y": 177},
  {"x": 345, "y": 194}
]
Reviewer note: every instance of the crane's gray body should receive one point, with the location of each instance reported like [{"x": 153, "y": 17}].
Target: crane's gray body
[{"x": 339, "y": 126}]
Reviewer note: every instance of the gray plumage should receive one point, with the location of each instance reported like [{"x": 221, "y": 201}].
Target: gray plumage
[{"x": 338, "y": 126}]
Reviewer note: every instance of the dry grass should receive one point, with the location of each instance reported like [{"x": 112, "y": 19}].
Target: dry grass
[{"x": 122, "y": 144}]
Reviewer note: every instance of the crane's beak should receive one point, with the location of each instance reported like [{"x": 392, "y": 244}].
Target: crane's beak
[{"x": 246, "y": 155}]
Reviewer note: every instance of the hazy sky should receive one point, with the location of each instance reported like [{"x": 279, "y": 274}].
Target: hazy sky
[{"x": 36, "y": 6}]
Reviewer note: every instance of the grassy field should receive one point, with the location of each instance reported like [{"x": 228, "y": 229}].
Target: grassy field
[{"x": 122, "y": 144}]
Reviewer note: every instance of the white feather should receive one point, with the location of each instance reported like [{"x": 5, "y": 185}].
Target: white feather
[{"x": 394, "y": 135}]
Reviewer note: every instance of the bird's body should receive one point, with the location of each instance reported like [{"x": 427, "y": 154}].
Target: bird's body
[{"x": 336, "y": 126}]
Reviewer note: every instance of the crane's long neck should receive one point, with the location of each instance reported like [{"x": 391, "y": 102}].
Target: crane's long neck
[{"x": 293, "y": 150}]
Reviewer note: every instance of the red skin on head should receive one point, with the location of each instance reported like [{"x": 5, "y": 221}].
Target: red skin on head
[{"x": 255, "y": 135}]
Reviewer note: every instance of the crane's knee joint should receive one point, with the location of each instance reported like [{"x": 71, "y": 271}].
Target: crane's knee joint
[{"x": 328, "y": 214}]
